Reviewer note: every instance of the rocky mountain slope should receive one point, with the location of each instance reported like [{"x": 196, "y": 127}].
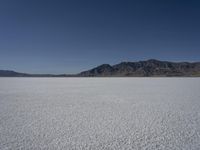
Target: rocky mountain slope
[{"x": 147, "y": 68}]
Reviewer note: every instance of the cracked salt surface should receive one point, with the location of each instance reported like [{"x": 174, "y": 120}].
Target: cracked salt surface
[{"x": 100, "y": 113}]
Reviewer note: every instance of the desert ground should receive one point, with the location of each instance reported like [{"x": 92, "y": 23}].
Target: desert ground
[{"x": 100, "y": 113}]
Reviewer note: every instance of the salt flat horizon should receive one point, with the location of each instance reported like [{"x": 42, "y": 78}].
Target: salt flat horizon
[{"x": 100, "y": 113}]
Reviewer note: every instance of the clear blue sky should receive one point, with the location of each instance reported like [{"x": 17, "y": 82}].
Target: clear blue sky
[{"x": 69, "y": 36}]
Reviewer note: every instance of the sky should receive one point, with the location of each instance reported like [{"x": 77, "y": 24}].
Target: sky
[{"x": 69, "y": 36}]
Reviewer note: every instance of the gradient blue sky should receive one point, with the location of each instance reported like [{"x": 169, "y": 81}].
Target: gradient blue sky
[{"x": 69, "y": 36}]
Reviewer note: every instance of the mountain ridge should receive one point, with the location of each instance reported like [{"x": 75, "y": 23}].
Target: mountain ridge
[{"x": 146, "y": 68}]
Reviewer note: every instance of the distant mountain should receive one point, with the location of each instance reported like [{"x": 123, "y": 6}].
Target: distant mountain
[
  {"x": 149, "y": 68},
  {"x": 8, "y": 73}
]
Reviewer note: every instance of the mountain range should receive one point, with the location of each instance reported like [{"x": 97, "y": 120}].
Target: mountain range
[{"x": 148, "y": 68}]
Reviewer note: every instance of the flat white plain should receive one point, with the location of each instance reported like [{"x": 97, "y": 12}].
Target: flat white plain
[{"x": 100, "y": 113}]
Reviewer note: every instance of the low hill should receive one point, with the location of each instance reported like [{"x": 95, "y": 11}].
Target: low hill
[{"x": 9, "y": 73}]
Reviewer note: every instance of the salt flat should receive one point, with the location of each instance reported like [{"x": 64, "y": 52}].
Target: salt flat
[{"x": 100, "y": 113}]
